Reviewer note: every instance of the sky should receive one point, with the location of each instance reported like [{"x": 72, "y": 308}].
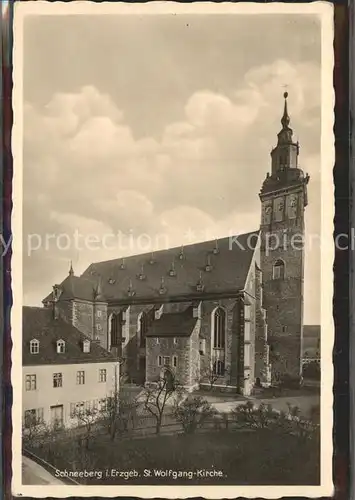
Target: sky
[{"x": 160, "y": 126}]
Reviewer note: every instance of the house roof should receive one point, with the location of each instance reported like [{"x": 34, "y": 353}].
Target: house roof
[
  {"x": 228, "y": 274},
  {"x": 179, "y": 324},
  {"x": 75, "y": 287},
  {"x": 39, "y": 324},
  {"x": 311, "y": 331}
]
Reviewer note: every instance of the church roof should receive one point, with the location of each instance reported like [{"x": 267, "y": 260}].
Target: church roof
[
  {"x": 178, "y": 324},
  {"x": 77, "y": 287},
  {"x": 39, "y": 324},
  {"x": 148, "y": 276}
]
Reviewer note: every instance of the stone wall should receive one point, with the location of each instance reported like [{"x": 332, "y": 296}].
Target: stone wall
[{"x": 168, "y": 346}]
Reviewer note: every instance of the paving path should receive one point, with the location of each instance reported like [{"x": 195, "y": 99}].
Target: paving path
[{"x": 32, "y": 473}]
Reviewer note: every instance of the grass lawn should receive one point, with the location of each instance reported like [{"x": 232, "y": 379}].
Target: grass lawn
[{"x": 252, "y": 457}]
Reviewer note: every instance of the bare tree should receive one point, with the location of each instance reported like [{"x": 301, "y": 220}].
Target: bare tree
[
  {"x": 118, "y": 411},
  {"x": 211, "y": 375},
  {"x": 192, "y": 413},
  {"x": 86, "y": 419},
  {"x": 156, "y": 396},
  {"x": 34, "y": 431}
]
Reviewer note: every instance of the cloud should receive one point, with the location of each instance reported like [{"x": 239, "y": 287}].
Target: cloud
[{"x": 88, "y": 170}]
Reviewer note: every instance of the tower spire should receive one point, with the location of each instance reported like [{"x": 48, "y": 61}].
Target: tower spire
[
  {"x": 71, "y": 270},
  {"x": 285, "y": 120}
]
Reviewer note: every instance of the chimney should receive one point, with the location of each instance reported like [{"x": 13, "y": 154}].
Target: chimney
[{"x": 56, "y": 294}]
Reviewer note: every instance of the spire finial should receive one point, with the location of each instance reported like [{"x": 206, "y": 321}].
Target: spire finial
[
  {"x": 71, "y": 270},
  {"x": 285, "y": 120}
]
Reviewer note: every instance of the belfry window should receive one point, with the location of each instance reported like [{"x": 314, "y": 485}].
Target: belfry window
[
  {"x": 219, "y": 328},
  {"x": 278, "y": 270}
]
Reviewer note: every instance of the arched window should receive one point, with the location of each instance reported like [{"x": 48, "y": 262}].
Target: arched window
[
  {"x": 60, "y": 346},
  {"x": 219, "y": 328},
  {"x": 34, "y": 346},
  {"x": 278, "y": 271}
]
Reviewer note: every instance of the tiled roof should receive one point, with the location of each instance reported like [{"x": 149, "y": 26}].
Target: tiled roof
[
  {"x": 228, "y": 273},
  {"x": 39, "y": 323},
  {"x": 75, "y": 287},
  {"x": 311, "y": 331},
  {"x": 179, "y": 324}
]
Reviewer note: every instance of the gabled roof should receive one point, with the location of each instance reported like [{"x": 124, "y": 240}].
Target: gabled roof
[
  {"x": 229, "y": 270},
  {"x": 179, "y": 324},
  {"x": 75, "y": 287},
  {"x": 39, "y": 323}
]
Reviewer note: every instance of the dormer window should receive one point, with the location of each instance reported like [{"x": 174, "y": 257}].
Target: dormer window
[
  {"x": 57, "y": 291},
  {"x": 86, "y": 346},
  {"x": 208, "y": 266},
  {"x": 162, "y": 288},
  {"x": 60, "y": 346},
  {"x": 141, "y": 275},
  {"x": 181, "y": 254},
  {"x": 172, "y": 270},
  {"x": 199, "y": 286},
  {"x": 34, "y": 346},
  {"x": 130, "y": 291},
  {"x": 216, "y": 248}
]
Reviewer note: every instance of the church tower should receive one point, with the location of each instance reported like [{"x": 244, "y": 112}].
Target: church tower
[{"x": 283, "y": 199}]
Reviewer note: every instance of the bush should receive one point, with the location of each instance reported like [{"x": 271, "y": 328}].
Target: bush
[
  {"x": 192, "y": 413},
  {"x": 249, "y": 415},
  {"x": 312, "y": 370},
  {"x": 314, "y": 414}
]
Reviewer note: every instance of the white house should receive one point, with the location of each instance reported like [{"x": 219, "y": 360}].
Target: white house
[{"x": 63, "y": 371}]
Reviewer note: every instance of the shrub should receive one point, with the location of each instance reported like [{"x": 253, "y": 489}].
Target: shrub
[
  {"x": 192, "y": 413},
  {"x": 312, "y": 370},
  {"x": 254, "y": 417},
  {"x": 314, "y": 414}
]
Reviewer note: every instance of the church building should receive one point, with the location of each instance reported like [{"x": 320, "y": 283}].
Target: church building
[{"x": 227, "y": 313}]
